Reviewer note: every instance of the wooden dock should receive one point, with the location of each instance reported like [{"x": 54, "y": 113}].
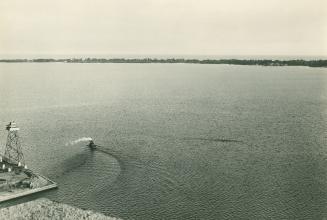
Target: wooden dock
[{"x": 17, "y": 193}]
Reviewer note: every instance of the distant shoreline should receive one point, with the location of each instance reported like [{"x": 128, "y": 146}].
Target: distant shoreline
[{"x": 252, "y": 62}]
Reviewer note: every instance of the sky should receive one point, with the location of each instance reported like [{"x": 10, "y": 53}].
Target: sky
[{"x": 165, "y": 27}]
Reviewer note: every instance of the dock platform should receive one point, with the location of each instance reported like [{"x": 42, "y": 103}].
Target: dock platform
[
  {"x": 40, "y": 183},
  {"x": 17, "y": 193}
]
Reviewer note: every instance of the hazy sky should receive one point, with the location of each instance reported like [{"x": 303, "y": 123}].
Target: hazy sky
[{"x": 207, "y": 27}]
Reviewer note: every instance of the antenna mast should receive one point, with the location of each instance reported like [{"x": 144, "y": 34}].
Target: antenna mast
[{"x": 13, "y": 152}]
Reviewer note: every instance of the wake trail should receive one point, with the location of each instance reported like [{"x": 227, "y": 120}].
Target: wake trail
[
  {"x": 213, "y": 139},
  {"x": 82, "y": 139}
]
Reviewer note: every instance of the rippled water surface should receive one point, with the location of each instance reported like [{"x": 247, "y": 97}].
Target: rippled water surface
[{"x": 178, "y": 141}]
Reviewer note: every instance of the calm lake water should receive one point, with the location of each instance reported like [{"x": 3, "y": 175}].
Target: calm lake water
[{"x": 178, "y": 141}]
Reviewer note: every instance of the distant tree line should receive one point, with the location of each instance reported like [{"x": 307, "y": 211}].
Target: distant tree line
[{"x": 264, "y": 62}]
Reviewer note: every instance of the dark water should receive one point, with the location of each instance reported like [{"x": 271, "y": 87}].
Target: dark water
[{"x": 177, "y": 141}]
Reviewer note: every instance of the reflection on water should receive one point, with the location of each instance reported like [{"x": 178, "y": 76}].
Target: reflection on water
[{"x": 176, "y": 141}]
